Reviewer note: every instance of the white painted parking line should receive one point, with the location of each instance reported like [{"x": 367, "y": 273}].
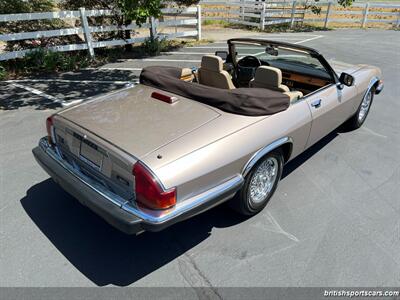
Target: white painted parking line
[
  {"x": 170, "y": 60},
  {"x": 37, "y": 92},
  {"x": 46, "y": 96},
  {"x": 68, "y": 81},
  {"x": 208, "y": 47},
  {"x": 297, "y": 39},
  {"x": 189, "y": 53},
  {"x": 158, "y": 59},
  {"x": 310, "y": 39},
  {"x": 63, "y": 103},
  {"x": 199, "y": 53},
  {"x": 120, "y": 68}
]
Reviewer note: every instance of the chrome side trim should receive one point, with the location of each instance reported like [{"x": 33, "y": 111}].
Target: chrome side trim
[
  {"x": 227, "y": 188},
  {"x": 372, "y": 82},
  {"x": 380, "y": 87},
  {"x": 260, "y": 153}
]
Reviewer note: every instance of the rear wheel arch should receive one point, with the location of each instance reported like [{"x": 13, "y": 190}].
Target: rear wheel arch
[
  {"x": 285, "y": 145},
  {"x": 286, "y": 149}
]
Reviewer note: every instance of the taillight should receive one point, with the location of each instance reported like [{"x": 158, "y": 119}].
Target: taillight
[
  {"x": 149, "y": 192},
  {"x": 49, "y": 127}
]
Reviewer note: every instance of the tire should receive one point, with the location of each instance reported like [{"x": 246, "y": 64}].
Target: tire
[
  {"x": 359, "y": 117},
  {"x": 250, "y": 200}
]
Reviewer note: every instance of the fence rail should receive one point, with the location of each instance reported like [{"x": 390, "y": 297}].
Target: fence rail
[
  {"x": 261, "y": 14},
  {"x": 189, "y": 17}
]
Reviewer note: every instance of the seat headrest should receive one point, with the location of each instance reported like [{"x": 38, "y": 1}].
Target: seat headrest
[
  {"x": 212, "y": 63},
  {"x": 268, "y": 75}
]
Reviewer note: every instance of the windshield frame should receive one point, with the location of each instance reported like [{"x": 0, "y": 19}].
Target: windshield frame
[{"x": 287, "y": 46}]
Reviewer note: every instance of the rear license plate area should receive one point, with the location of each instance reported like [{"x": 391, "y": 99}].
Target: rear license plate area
[{"x": 90, "y": 154}]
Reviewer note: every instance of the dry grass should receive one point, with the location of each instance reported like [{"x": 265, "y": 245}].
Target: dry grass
[{"x": 337, "y": 13}]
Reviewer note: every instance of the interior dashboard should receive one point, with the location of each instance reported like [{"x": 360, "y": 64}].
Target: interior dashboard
[{"x": 302, "y": 82}]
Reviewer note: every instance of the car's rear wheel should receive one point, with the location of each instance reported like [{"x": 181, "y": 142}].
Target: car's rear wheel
[
  {"x": 359, "y": 117},
  {"x": 260, "y": 184}
]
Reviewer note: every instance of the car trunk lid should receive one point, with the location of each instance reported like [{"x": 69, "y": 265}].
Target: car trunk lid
[{"x": 138, "y": 123}]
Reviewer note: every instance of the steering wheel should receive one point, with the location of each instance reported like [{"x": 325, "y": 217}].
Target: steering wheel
[
  {"x": 249, "y": 61},
  {"x": 246, "y": 68}
]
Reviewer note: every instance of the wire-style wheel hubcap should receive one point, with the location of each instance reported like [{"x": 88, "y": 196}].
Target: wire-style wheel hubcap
[
  {"x": 365, "y": 104},
  {"x": 263, "y": 180}
]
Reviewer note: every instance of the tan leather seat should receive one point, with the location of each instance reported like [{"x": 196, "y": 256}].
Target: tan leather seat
[
  {"x": 211, "y": 73},
  {"x": 271, "y": 78},
  {"x": 187, "y": 74}
]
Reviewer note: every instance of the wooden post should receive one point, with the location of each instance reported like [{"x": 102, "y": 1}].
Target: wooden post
[
  {"x": 293, "y": 13},
  {"x": 86, "y": 31},
  {"x": 198, "y": 22},
  {"x": 328, "y": 12},
  {"x": 398, "y": 20},
  {"x": 262, "y": 17},
  {"x": 365, "y": 16},
  {"x": 242, "y": 9}
]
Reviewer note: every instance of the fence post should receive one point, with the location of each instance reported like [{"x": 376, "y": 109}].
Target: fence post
[
  {"x": 86, "y": 31},
  {"x": 153, "y": 28},
  {"x": 198, "y": 22},
  {"x": 262, "y": 17},
  {"x": 293, "y": 13},
  {"x": 365, "y": 17},
  {"x": 328, "y": 12},
  {"x": 398, "y": 20},
  {"x": 242, "y": 9}
]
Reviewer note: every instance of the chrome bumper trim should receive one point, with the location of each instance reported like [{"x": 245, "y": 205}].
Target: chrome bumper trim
[{"x": 152, "y": 217}]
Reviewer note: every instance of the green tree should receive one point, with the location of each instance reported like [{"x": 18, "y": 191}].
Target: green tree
[{"x": 313, "y": 5}]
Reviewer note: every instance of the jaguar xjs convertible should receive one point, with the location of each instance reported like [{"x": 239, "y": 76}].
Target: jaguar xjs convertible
[{"x": 185, "y": 140}]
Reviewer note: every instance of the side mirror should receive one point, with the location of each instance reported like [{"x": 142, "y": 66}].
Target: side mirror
[
  {"x": 271, "y": 51},
  {"x": 222, "y": 54},
  {"x": 346, "y": 79}
]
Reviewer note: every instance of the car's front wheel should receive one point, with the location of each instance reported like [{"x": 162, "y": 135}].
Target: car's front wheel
[
  {"x": 358, "y": 119},
  {"x": 260, "y": 184}
]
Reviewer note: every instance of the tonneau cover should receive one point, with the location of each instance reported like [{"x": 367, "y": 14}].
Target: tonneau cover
[{"x": 242, "y": 101}]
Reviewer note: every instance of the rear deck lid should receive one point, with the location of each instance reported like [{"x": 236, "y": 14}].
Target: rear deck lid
[{"x": 138, "y": 123}]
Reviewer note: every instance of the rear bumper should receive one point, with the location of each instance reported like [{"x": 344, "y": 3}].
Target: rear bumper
[{"x": 118, "y": 212}]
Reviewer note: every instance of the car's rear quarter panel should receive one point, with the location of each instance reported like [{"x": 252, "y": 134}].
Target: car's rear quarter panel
[{"x": 193, "y": 172}]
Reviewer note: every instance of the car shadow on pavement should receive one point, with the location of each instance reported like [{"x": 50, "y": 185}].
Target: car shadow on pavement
[
  {"x": 108, "y": 256},
  {"x": 303, "y": 157},
  {"x": 105, "y": 255}
]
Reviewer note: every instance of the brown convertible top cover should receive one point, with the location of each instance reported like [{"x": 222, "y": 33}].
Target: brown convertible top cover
[{"x": 242, "y": 101}]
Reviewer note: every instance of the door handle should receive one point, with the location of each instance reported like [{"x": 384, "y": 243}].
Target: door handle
[{"x": 316, "y": 103}]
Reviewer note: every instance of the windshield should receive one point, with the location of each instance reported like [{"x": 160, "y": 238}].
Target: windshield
[{"x": 282, "y": 58}]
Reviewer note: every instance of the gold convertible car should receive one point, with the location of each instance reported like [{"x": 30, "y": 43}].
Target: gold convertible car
[{"x": 185, "y": 140}]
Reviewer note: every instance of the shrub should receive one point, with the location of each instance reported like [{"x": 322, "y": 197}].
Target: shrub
[
  {"x": 3, "y": 73},
  {"x": 44, "y": 60},
  {"x": 152, "y": 46}
]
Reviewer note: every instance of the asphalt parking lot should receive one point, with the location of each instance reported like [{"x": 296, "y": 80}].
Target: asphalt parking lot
[{"x": 334, "y": 220}]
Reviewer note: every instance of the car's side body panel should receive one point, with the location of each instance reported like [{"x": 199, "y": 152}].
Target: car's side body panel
[
  {"x": 330, "y": 107},
  {"x": 214, "y": 163}
]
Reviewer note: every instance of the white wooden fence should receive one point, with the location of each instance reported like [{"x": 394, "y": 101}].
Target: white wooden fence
[
  {"x": 188, "y": 17},
  {"x": 264, "y": 13}
]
